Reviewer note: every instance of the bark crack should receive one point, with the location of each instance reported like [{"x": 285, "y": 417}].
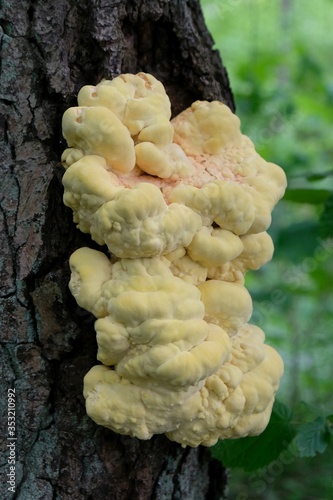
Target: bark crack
[
  {"x": 176, "y": 494},
  {"x": 11, "y": 249}
]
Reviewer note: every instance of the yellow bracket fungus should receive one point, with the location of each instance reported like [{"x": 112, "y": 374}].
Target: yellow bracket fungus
[{"x": 183, "y": 207}]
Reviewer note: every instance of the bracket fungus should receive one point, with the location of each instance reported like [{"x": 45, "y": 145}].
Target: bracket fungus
[{"x": 183, "y": 207}]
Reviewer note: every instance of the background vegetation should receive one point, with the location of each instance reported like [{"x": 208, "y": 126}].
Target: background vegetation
[{"x": 278, "y": 56}]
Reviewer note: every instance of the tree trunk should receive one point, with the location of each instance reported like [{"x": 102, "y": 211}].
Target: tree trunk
[{"x": 49, "y": 49}]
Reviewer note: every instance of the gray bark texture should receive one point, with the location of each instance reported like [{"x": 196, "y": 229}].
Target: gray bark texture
[{"x": 49, "y": 50}]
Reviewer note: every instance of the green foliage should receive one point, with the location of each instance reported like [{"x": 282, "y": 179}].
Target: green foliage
[
  {"x": 297, "y": 241},
  {"x": 312, "y": 196},
  {"x": 278, "y": 57},
  {"x": 251, "y": 453},
  {"x": 313, "y": 437},
  {"x": 325, "y": 223},
  {"x": 310, "y": 432}
]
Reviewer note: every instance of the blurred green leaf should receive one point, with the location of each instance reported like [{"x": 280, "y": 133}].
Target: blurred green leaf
[
  {"x": 312, "y": 196},
  {"x": 319, "y": 177},
  {"x": 326, "y": 219},
  {"x": 313, "y": 437},
  {"x": 304, "y": 412},
  {"x": 315, "y": 177},
  {"x": 311, "y": 176},
  {"x": 297, "y": 241},
  {"x": 252, "y": 453}
]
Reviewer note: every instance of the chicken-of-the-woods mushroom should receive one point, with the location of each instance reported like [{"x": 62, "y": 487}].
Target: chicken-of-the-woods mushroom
[{"x": 183, "y": 207}]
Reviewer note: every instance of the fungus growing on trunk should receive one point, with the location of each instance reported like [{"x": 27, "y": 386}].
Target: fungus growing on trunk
[{"x": 183, "y": 207}]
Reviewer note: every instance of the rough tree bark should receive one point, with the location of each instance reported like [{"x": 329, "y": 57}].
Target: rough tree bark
[{"x": 49, "y": 49}]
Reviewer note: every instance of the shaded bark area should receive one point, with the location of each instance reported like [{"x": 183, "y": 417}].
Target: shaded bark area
[{"x": 49, "y": 49}]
